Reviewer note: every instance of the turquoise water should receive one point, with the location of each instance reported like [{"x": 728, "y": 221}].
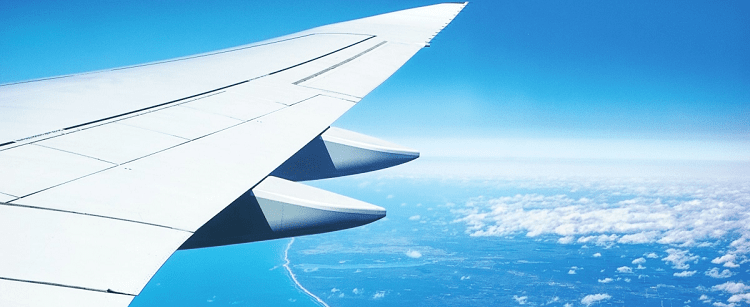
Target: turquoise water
[{"x": 238, "y": 275}]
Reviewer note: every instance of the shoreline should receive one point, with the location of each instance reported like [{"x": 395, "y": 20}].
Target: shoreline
[{"x": 294, "y": 277}]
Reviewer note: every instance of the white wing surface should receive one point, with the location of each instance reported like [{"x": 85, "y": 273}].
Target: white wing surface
[{"x": 104, "y": 175}]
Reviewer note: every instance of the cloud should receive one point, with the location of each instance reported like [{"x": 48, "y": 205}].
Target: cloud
[
  {"x": 414, "y": 217},
  {"x": 679, "y": 258},
  {"x": 358, "y": 291},
  {"x": 606, "y": 280},
  {"x": 413, "y": 254},
  {"x": 684, "y": 274},
  {"x": 378, "y": 295},
  {"x": 728, "y": 260},
  {"x": 716, "y": 274},
  {"x": 639, "y": 261},
  {"x": 594, "y": 298},
  {"x": 600, "y": 240},
  {"x": 738, "y": 298},
  {"x": 334, "y": 290},
  {"x": 520, "y": 299},
  {"x": 597, "y": 255},
  {"x": 571, "y": 272},
  {"x": 624, "y": 269},
  {"x": 731, "y": 287},
  {"x": 670, "y": 212}
]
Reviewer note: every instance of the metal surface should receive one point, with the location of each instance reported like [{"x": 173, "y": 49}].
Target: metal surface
[
  {"x": 338, "y": 152},
  {"x": 278, "y": 208},
  {"x": 107, "y": 173}
]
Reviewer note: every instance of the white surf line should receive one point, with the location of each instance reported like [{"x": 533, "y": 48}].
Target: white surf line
[{"x": 294, "y": 278}]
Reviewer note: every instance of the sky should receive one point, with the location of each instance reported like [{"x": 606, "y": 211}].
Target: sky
[
  {"x": 532, "y": 88},
  {"x": 611, "y": 80}
]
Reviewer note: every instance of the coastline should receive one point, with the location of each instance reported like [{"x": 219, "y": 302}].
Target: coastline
[{"x": 294, "y": 277}]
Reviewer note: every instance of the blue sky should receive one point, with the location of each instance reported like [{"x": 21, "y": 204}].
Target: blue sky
[{"x": 674, "y": 73}]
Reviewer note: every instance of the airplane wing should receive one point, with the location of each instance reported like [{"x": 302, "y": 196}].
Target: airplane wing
[{"x": 104, "y": 175}]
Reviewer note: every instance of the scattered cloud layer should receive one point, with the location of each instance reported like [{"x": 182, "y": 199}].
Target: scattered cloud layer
[
  {"x": 731, "y": 287},
  {"x": 684, "y": 274},
  {"x": 714, "y": 272},
  {"x": 590, "y": 299},
  {"x": 521, "y": 300},
  {"x": 679, "y": 259},
  {"x": 673, "y": 213},
  {"x": 683, "y": 216},
  {"x": 624, "y": 269}
]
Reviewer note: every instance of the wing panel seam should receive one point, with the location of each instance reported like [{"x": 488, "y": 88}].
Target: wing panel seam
[
  {"x": 184, "y": 98},
  {"x": 110, "y": 291},
  {"x": 339, "y": 64},
  {"x": 91, "y": 215}
]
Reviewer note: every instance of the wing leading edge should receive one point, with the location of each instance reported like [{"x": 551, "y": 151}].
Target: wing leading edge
[{"x": 106, "y": 174}]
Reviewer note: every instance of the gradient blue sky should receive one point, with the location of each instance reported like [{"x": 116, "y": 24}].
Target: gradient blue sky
[{"x": 675, "y": 73}]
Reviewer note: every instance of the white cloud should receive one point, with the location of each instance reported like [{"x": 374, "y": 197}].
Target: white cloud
[
  {"x": 358, "y": 291},
  {"x": 676, "y": 213},
  {"x": 729, "y": 260},
  {"x": 520, "y": 299},
  {"x": 413, "y": 254},
  {"x": 600, "y": 240},
  {"x": 571, "y": 272},
  {"x": 378, "y": 295},
  {"x": 414, "y": 217},
  {"x": 704, "y": 298},
  {"x": 594, "y": 298},
  {"x": 738, "y": 298},
  {"x": 597, "y": 255},
  {"x": 731, "y": 287},
  {"x": 640, "y": 238},
  {"x": 639, "y": 261},
  {"x": 716, "y": 274},
  {"x": 606, "y": 280},
  {"x": 624, "y": 269},
  {"x": 680, "y": 258},
  {"x": 684, "y": 274},
  {"x": 334, "y": 290}
]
